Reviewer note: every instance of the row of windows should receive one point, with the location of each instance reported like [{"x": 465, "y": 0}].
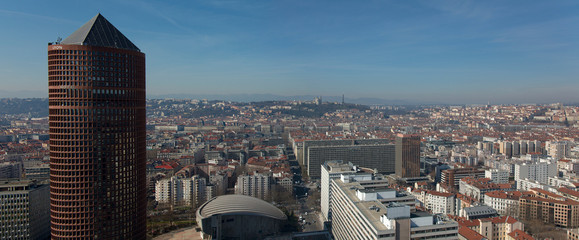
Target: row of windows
[
  {"x": 140, "y": 101},
  {"x": 92, "y": 53}
]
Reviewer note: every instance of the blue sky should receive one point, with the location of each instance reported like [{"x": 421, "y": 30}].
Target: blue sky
[{"x": 422, "y": 51}]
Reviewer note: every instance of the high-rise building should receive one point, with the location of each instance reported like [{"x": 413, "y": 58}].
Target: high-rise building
[
  {"x": 96, "y": 87},
  {"x": 407, "y": 156}
]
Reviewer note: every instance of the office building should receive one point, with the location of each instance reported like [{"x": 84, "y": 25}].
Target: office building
[
  {"x": 24, "y": 210},
  {"x": 359, "y": 212},
  {"x": 371, "y": 153},
  {"x": 333, "y": 170},
  {"x": 96, "y": 88},
  {"x": 407, "y": 156}
]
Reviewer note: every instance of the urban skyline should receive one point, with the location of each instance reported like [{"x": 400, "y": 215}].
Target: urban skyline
[{"x": 450, "y": 52}]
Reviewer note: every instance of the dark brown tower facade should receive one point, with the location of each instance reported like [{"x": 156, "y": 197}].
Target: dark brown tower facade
[
  {"x": 407, "y": 156},
  {"x": 96, "y": 82}
]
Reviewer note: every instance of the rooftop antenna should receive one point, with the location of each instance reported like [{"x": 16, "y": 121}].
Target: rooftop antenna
[{"x": 58, "y": 40}]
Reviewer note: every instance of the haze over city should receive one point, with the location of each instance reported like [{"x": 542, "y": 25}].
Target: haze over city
[{"x": 455, "y": 52}]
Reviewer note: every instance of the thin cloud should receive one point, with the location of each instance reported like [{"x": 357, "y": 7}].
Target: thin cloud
[{"x": 24, "y": 14}]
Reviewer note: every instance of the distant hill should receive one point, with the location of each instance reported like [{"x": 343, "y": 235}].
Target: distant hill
[
  {"x": 272, "y": 97},
  {"x": 36, "y": 107}
]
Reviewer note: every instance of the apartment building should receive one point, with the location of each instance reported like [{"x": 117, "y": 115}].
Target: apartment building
[
  {"x": 550, "y": 208},
  {"x": 494, "y": 228},
  {"x": 497, "y": 175},
  {"x": 506, "y": 203},
  {"x": 535, "y": 171},
  {"x": 256, "y": 185},
  {"x": 181, "y": 191},
  {"x": 477, "y": 187}
]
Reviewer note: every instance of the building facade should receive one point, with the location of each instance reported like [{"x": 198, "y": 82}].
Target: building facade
[
  {"x": 24, "y": 210},
  {"x": 371, "y": 153},
  {"x": 359, "y": 212},
  {"x": 407, "y": 156},
  {"x": 256, "y": 185},
  {"x": 96, "y": 88}
]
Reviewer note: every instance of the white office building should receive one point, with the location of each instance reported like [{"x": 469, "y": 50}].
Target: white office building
[{"x": 358, "y": 213}]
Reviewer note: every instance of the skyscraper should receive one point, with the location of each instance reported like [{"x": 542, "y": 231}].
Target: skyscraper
[
  {"x": 407, "y": 156},
  {"x": 96, "y": 82}
]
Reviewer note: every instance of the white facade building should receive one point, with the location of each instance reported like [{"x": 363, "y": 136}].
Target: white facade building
[
  {"x": 439, "y": 202},
  {"x": 331, "y": 170},
  {"x": 181, "y": 191},
  {"x": 506, "y": 203},
  {"x": 497, "y": 176},
  {"x": 358, "y": 213},
  {"x": 539, "y": 171}
]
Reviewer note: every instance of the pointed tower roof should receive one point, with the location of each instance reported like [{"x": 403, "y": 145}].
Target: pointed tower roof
[{"x": 99, "y": 32}]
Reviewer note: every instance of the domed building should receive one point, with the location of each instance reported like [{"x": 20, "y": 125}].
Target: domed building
[{"x": 239, "y": 217}]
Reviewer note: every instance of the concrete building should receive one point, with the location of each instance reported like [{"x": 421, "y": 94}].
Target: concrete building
[
  {"x": 10, "y": 170},
  {"x": 371, "y": 153},
  {"x": 331, "y": 170},
  {"x": 407, "y": 156},
  {"x": 538, "y": 171},
  {"x": 497, "y": 176},
  {"x": 256, "y": 185},
  {"x": 357, "y": 212},
  {"x": 239, "y": 217},
  {"x": 24, "y": 210},
  {"x": 178, "y": 191}
]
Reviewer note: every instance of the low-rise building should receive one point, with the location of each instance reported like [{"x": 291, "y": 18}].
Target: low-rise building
[
  {"x": 506, "y": 203},
  {"x": 494, "y": 228},
  {"x": 477, "y": 187},
  {"x": 550, "y": 208}
]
